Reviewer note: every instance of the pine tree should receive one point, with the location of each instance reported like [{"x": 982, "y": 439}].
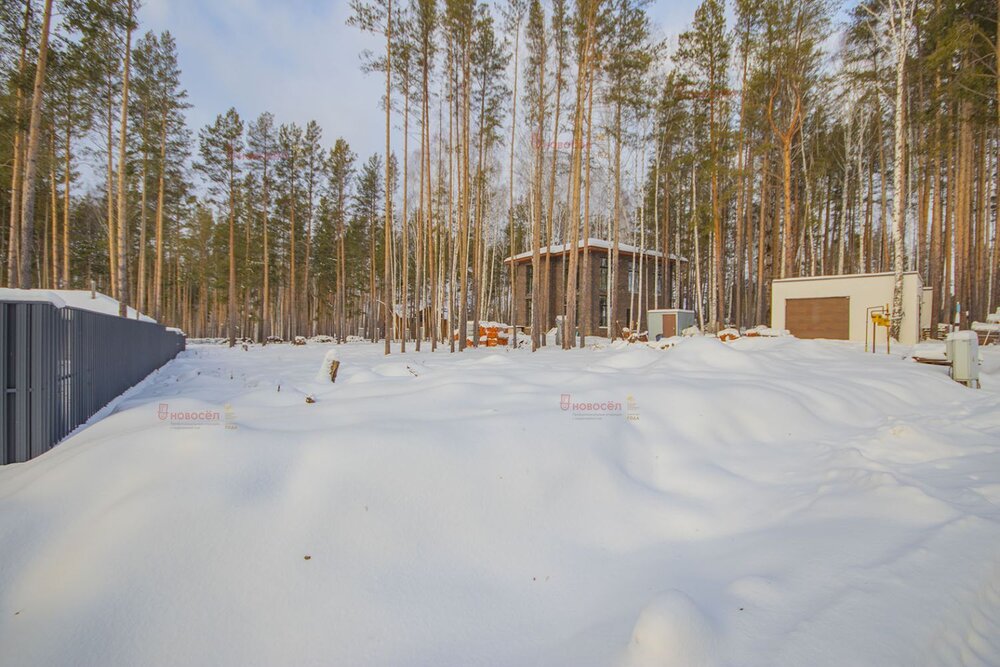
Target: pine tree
[
  {"x": 262, "y": 145},
  {"x": 123, "y": 287},
  {"x": 377, "y": 17},
  {"x": 312, "y": 157},
  {"x": 488, "y": 64},
  {"x": 423, "y": 29},
  {"x": 340, "y": 169},
  {"x": 537, "y": 101},
  {"x": 219, "y": 146},
  {"x": 513, "y": 17},
  {"x": 33, "y": 143},
  {"x": 288, "y": 171},
  {"x": 586, "y": 29},
  {"x": 704, "y": 50},
  {"x": 17, "y": 167}
]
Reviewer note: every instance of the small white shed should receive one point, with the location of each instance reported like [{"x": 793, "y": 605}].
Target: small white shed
[{"x": 840, "y": 307}]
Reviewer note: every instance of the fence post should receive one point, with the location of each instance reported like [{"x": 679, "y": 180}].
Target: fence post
[
  {"x": 22, "y": 380},
  {"x": 5, "y": 455}
]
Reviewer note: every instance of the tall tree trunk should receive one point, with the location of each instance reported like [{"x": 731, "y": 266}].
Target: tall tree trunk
[
  {"x": 67, "y": 175},
  {"x": 549, "y": 218},
  {"x": 53, "y": 239},
  {"x": 994, "y": 284},
  {"x": 937, "y": 236},
  {"x": 762, "y": 235},
  {"x": 510, "y": 193},
  {"x": 740, "y": 241},
  {"x": 306, "y": 278},
  {"x": 742, "y": 180},
  {"x": 880, "y": 264},
  {"x": 786, "y": 137},
  {"x": 31, "y": 156},
  {"x": 160, "y": 199},
  {"x": 450, "y": 235},
  {"x": 613, "y": 330},
  {"x": 388, "y": 198},
  {"x": 963, "y": 211},
  {"x": 291, "y": 299},
  {"x": 719, "y": 294},
  {"x": 586, "y": 297},
  {"x": 341, "y": 269},
  {"x": 405, "y": 250},
  {"x": 569, "y": 329},
  {"x": 696, "y": 233},
  {"x": 123, "y": 293},
  {"x": 140, "y": 283},
  {"x": 899, "y": 177},
  {"x": 266, "y": 314},
  {"x": 17, "y": 166},
  {"x": 428, "y": 245},
  {"x": 538, "y": 324},
  {"x": 477, "y": 233},
  {"x": 844, "y": 194},
  {"x": 231, "y": 301},
  {"x": 463, "y": 306},
  {"x": 110, "y": 187}
]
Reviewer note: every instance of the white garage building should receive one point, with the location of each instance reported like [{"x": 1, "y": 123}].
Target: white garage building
[{"x": 840, "y": 307}]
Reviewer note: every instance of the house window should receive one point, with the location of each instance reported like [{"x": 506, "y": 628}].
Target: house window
[
  {"x": 602, "y": 318},
  {"x": 527, "y": 308},
  {"x": 529, "y": 279},
  {"x": 633, "y": 278},
  {"x": 604, "y": 276}
]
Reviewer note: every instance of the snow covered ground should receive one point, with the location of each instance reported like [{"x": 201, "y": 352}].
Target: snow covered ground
[{"x": 767, "y": 502}]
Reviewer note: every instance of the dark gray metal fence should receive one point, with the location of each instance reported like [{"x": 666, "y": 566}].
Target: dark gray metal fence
[{"x": 61, "y": 365}]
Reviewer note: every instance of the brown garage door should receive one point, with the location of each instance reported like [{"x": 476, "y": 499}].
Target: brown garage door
[
  {"x": 827, "y": 317},
  {"x": 669, "y": 325}
]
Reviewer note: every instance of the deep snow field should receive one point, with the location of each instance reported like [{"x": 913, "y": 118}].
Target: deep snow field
[{"x": 768, "y": 502}]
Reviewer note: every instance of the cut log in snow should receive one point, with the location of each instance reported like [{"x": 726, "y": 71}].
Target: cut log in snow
[{"x": 328, "y": 371}]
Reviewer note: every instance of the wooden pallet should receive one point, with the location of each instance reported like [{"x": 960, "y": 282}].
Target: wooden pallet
[{"x": 932, "y": 362}]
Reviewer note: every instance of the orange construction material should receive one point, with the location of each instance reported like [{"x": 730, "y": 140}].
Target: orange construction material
[{"x": 488, "y": 336}]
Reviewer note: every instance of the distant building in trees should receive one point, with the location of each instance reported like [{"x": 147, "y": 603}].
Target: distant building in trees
[{"x": 642, "y": 282}]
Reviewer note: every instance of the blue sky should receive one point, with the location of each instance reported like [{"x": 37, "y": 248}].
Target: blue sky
[{"x": 295, "y": 58}]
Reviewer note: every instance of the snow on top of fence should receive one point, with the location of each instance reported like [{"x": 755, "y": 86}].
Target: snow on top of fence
[{"x": 73, "y": 298}]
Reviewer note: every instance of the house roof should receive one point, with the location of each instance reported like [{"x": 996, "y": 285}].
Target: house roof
[{"x": 593, "y": 243}]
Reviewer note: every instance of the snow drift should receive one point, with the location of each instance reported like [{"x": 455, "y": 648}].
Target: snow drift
[{"x": 760, "y": 502}]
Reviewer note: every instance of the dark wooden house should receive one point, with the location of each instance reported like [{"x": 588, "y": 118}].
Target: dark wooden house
[{"x": 643, "y": 281}]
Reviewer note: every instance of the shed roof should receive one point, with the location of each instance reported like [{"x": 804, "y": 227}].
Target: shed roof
[{"x": 846, "y": 276}]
